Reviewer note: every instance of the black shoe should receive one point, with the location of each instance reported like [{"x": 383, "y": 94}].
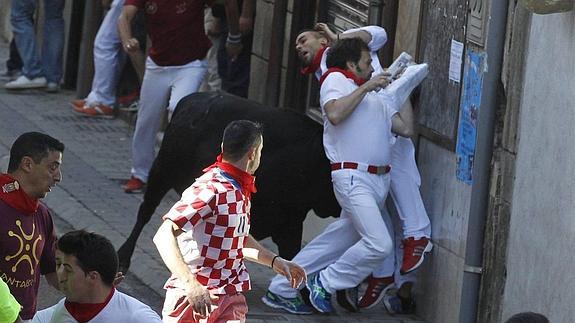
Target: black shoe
[{"x": 348, "y": 299}]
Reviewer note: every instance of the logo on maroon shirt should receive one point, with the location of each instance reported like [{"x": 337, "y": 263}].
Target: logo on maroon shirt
[
  {"x": 26, "y": 250},
  {"x": 181, "y": 7},
  {"x": 151, "y": 7}
]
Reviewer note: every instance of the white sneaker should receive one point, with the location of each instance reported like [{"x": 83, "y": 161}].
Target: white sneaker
[
  {"x": 52, "y": 87},
  {"x": 23, "y": 83}
]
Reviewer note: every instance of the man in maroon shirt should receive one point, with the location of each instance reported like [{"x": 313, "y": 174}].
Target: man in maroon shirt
[
  {"x": 176, "y": 66},
  {"x": 27, "y": 236}
]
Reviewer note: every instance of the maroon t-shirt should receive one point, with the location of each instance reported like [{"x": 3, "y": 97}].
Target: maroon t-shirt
[
  {"x": 176, "y": 28},
  {"x": 27, "y": 250}
]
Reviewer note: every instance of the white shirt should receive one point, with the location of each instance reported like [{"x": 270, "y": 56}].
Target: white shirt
[
  {"x": 122, "y": 308},
  {"x": 365, "y": 135}
]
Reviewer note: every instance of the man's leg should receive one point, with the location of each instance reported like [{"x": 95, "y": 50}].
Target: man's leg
[
  {"x": 361, "y": 195},
  {"x": 21, "y": 17},
  {"x": 14, "y": 62},
  {"x": 416, "y": 227},
  {"x": 382, "y": 277},
  {"x": 53, "y": 41},
  {"x": 108, "y": 58},
  {"x": 186, "y": 80},
  {"x": 319, "y": 253},
  {"x": 153, "y": 100}
]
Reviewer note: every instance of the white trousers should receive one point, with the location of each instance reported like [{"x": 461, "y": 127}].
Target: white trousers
[
  {"x": 354, "y": 245},
  {"x": 108, "y": 58},
  {"x": 163, "y": 86}
]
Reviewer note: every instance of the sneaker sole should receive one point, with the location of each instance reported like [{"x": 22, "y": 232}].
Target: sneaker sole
[
  {"x": 378, "y": 299},
  {"x": 427, "y": 249},
  {"x": 388, "y": 308},
  {"x": 274, "y": 305},
  {"x": 28, "y": 87},
  {"x": 101, "y": 116}
]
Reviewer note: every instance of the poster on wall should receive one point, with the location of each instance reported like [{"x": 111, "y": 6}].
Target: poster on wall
[{"x": 469, "y": 114}]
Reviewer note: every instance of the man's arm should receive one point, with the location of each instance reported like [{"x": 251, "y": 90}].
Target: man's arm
[
  {"x": 234, "y": 40},
  {"x": 165, "y": 241},
  {"x": 255, "y": 252},
  {"x": 340, "y": 109},
  {"x": 246, "y": 21},
  {"x": 129, "y": 43},
  {"x": 402, "y": 123},
  {"x": 373, "y": 36}
]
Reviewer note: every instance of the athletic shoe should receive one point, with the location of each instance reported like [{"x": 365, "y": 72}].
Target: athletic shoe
[
  {"x": 376, "y": 288},
  {"x": 318, "y": 296},
  {"x": 97, "y": 110},
  {"x": 413, "y": 253},
  {"x": 394, "y": 304},
  {"x": 134, "y": 185},
  {"x": 133, "y": 107},
  {"x": 78, "y": 103},
  {"x": 129, "y": 98},
  {"x": 347, "y": 299},
  {"x": 52, "y": 87},
  {"x": 24, "y": 83},
  {"x": 294, "y": 305}
]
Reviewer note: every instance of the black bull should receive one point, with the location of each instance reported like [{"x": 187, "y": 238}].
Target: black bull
[{"x": 293, "y": 177}]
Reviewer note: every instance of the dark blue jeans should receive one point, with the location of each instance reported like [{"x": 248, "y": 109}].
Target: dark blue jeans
[{"x": 49, "y": 64}]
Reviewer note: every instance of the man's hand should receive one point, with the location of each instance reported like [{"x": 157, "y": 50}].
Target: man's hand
[
  {"x": 377, "y": 82},
  {"x": 199, "y": 298},
  {"x": 233, "y": 50},
  {"x": 323, "y": 29},
  {"x": 131, "y": 45},
  {"x": 293, "y": 272},
  {"x": 118, "y": 279}
]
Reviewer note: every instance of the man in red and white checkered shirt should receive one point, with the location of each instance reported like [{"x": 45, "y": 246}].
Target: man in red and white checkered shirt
[{"x": 205, "y": 236}]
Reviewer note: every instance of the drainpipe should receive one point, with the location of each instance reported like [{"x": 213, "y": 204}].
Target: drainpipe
[
  {"x": 495, "y": 40},
  {"x": 374, "y": 13}
]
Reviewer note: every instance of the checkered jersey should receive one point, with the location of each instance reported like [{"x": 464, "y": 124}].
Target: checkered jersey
[{"x": 214, "y": 215}]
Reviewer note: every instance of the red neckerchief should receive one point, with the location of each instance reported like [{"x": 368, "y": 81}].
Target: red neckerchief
[
  {"x": 12, "y": 194},
  {"x": 347, "y": 74},
  {"x": 85, "y": 312},
  {"x": 315, "y": 63},
  {"x": 246, "y": 181}
]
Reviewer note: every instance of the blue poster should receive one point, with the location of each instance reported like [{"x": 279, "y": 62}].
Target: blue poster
[{"x": 468, "y": 114}]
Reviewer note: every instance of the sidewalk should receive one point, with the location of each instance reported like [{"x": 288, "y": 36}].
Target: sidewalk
[{"x": 95, "y": 163}]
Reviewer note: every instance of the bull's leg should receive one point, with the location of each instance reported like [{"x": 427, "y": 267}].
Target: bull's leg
[
  {"x": 156, "y": 190},
  {"x": 288, "y": 237}
]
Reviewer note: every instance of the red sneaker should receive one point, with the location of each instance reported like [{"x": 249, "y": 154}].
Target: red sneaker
[
  {"x": 98, "y": 110},
  {"x": 134, "y": 185},
  {"x": 376, "y": 288},
  {"x": 413, "y": 253},
  {"x": 78, "y": 103},
  {"x": 129, "y": 98}
]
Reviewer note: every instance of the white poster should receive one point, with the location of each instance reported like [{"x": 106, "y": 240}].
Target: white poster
[{"x": 455, "y": 60}]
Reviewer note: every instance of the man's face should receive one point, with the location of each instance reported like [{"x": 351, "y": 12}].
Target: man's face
[
  {"x": 363, "y": 68},
  {"x": 307, "y": 44},
  {"x": 255, "y": 163},
  {"x": 73, "y": 281},
  {"x": 45, "y": 174}
]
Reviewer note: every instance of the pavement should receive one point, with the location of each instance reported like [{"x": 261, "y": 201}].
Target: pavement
[{"x": 96, "y": 162}]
